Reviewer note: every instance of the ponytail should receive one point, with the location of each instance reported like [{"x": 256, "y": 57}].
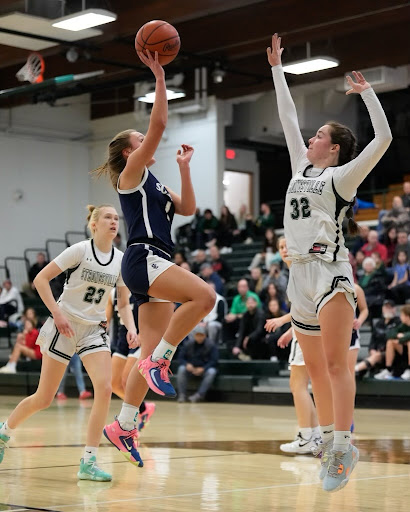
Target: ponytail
[{"x": 352, "y": 226}]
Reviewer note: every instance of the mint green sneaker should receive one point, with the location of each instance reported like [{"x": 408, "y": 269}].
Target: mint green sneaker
[
  {"x": 322, "y": 450},
  {"x": 341, "y": 465},
  {"x": 3, "y": 444},
  {"x": 90, "y": 471}
]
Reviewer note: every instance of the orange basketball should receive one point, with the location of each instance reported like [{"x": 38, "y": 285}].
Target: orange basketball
[{"x": 158, "y": 36}]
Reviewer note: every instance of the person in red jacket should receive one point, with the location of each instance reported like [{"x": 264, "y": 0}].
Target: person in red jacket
[
  {"x": 25, "y": 346},
  {"x": 373, "y": 245}
]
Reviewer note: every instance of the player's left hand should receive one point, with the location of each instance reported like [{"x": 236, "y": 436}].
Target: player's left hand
[
  {"x": 133, "y": 339},
  {"x": 184, "y": 156},
  {"x": 359, "y": 86},
  {"x": 356, "y": 324}
]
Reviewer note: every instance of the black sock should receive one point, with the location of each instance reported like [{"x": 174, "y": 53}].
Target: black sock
[{"x": 388, "y": 368}]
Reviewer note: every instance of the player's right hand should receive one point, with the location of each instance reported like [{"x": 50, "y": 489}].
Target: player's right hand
[
  {"x": 152, "y": 63},
  {"x": 272, "y": 324},
  {"x": 62, "y": 324},
  {"x": 275, "y": 52}
]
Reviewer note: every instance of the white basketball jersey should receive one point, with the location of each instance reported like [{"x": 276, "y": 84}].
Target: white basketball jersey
[
  {"x": 89, "y": 281},
  {"x": 313, "y": 217}
]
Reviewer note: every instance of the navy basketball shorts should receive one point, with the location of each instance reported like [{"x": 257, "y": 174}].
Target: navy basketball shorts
[
  {"x": 121, "y": 348},
  {"x": 141, "y": 265},
  {"x": 311, "y": 285}
]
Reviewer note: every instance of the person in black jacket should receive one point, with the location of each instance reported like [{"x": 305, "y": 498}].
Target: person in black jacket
[
  {"x": 197, "y": 358},
  {"x": 378, "y": 341},
  {"x": 251, "y": 343}
]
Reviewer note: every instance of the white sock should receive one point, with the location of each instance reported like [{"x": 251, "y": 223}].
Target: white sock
[
  {"x": 128, "y": 416},
  {"x": 341, "y": 442},
  {"x": 12, "y": 365},
  {"x": 316, "y": 432},
  {"x": 326, "y": 432},
  {"x": 90, "y": 451},
  {"x": 163, "y": 350},
  {"x": 6, "y": 430},
  {"x": 306, "y": 433}
]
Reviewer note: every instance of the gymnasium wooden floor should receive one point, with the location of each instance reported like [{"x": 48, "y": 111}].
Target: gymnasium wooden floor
[{"x": 202, "y": 457}]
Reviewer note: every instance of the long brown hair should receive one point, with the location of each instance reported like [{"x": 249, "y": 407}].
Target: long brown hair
[
  {"x": 343, "y": 135},
  {"x": 115, "y": 164}
]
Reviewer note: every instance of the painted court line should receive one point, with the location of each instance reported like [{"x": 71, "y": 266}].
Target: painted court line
[{"x": 227, "y": 491}]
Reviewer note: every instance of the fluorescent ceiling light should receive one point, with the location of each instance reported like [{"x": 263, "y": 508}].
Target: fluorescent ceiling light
[
  {"x": 171, "y": 95},
  {"x": 85, "y": 19},
  {"x": 309, "y": 65}
]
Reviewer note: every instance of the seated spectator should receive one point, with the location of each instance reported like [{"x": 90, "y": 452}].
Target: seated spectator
[
  {"x": 245, "y": 232},
  {"x": 359, "y": 264},
  {"x": 40, "y": 263},
  {"x": 10, "y": 302},
  {"x": 270, "y": 293},
  {"x": 199, "y": 258},
  {"x": 251, "y": 342},
  {"x": 398, "y": 217},
  {"x": 209, "y": 276},
  {"x": 256, "y": 280},
  {"x": 377, "y": 347},
  {"x": 25, "y": 346},
  {"x": 265, "y": 220},
  {"x": 397, "y": 339},
  {"x": 389, "y": 240},
  {"x": 406, "y": 194},
  {"x": 207, "y": 228},
  {"x": 276, "y": 353},
  {"x": 373, "y": 245},
  {"x": 361, "y": 239},
  {"x": 75, "y": 366},
  {"x": 219, "y": 264},
  {"x": 403, "y": 244},
  {"x": 278, "y": 277},
  {"x": 197, "y": 358},
  {"x": 214, "y": 319},
  {"x": 238, "y": 308},
  {"x": 179, "y": 258},
  {"x": 226, "y": 227},
  {"x": 186, "y": 266},
  {"x": 399, "y": 288},
  {"x": 28, "y": 314},
  {"x": 380, "y": 268},
  {"x": 269, "y": 252},
  {"x": 374, "y": 288}
]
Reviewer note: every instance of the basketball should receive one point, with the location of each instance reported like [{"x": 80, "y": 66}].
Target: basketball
[{"x": 158, "y": 36}]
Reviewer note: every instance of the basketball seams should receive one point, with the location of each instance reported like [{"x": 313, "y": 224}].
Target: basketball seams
[
  {"x": 144, "y": 41},
  {"x": 153, "y": 30}
]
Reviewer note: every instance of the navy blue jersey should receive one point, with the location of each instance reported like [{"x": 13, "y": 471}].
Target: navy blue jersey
[
  {"x": 117, "y": 318},
  {"x": 148, "y": 211}
]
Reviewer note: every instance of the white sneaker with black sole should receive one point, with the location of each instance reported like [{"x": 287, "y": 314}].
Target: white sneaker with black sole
[{"x": 300, "y": 445}]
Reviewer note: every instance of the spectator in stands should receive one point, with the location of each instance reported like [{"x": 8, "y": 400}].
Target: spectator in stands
[
  {"x": 265, "y": 220},
  {"x": 373, "y": 245},
  {"x": 186, "y": 266},
  {"x": 251, "y": 342},
  {"x": 276, "y": 353},
  {"x": 256, "y": 280},
  {"x": 361, "y": 239},
  {"x": 10, "y": 302},
  {"x": 25, "y": 346},
  {"x": 219, "y": 264},
  {"x": 197, "y": 358},
  {"x": 271, "y": 292},
  {"x": 398, "y": 339},
  {"x": 389, "y": 239},
  {"x": 76, "y": 367},
  {"x": 406, "y": 194},
  {"x": 209, "y": 276},
  {"x": 398, "y": 217},
  {"x": 30, "y": 314},
  {"x": 207, "y": 228},
  {"x": 118, "y": 243},
  {"x": 278, "y": 278},
  {"x": 374, "y": 288},
  {"x": 399, "y": 288},
  {"x": 214, "y": 319},
  {"x": 179, "y": 258},
  {"x": 269, "y": 252},
  {"x": 359, "y": 258},
  {"x": 378, "y": 340},
  {"x": 403, "y": 244},
  {"x": 199, "y": 258},
  {"x": 226, "y": 227},
  {"x": 40, "y": 263},
  {"x": 238, "y": 308},
  {"x": 245, "y": 232},
  {"x": 380, "y": 268}
]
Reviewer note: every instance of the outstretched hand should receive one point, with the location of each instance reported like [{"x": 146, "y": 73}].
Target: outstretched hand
[
  {"x": 275, "y": 53},
  {"x": 184, "y": 156},
  {"x": 152, "y": 63},
  {"x": 359, "y": 86}
]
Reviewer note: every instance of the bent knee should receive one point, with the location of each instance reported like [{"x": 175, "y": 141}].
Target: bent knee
[
  {"x": 207, "y": 300},
  {"x": 103, "y": 389},
  {"x": 43, "y": 401}
]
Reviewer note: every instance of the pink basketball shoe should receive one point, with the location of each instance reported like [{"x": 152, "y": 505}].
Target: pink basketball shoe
[
  {"x": 156, "y": 373},
  {"x": 125, "y": 441}
]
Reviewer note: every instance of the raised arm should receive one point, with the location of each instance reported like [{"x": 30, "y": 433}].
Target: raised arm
[
  {"x": 140, "y": 157},
  {"x": 348, "y": 177},
  {"x": 286, "y": 107}
]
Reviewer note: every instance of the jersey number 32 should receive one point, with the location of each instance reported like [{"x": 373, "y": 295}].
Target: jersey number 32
[{"x": 301, "y": 208}]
